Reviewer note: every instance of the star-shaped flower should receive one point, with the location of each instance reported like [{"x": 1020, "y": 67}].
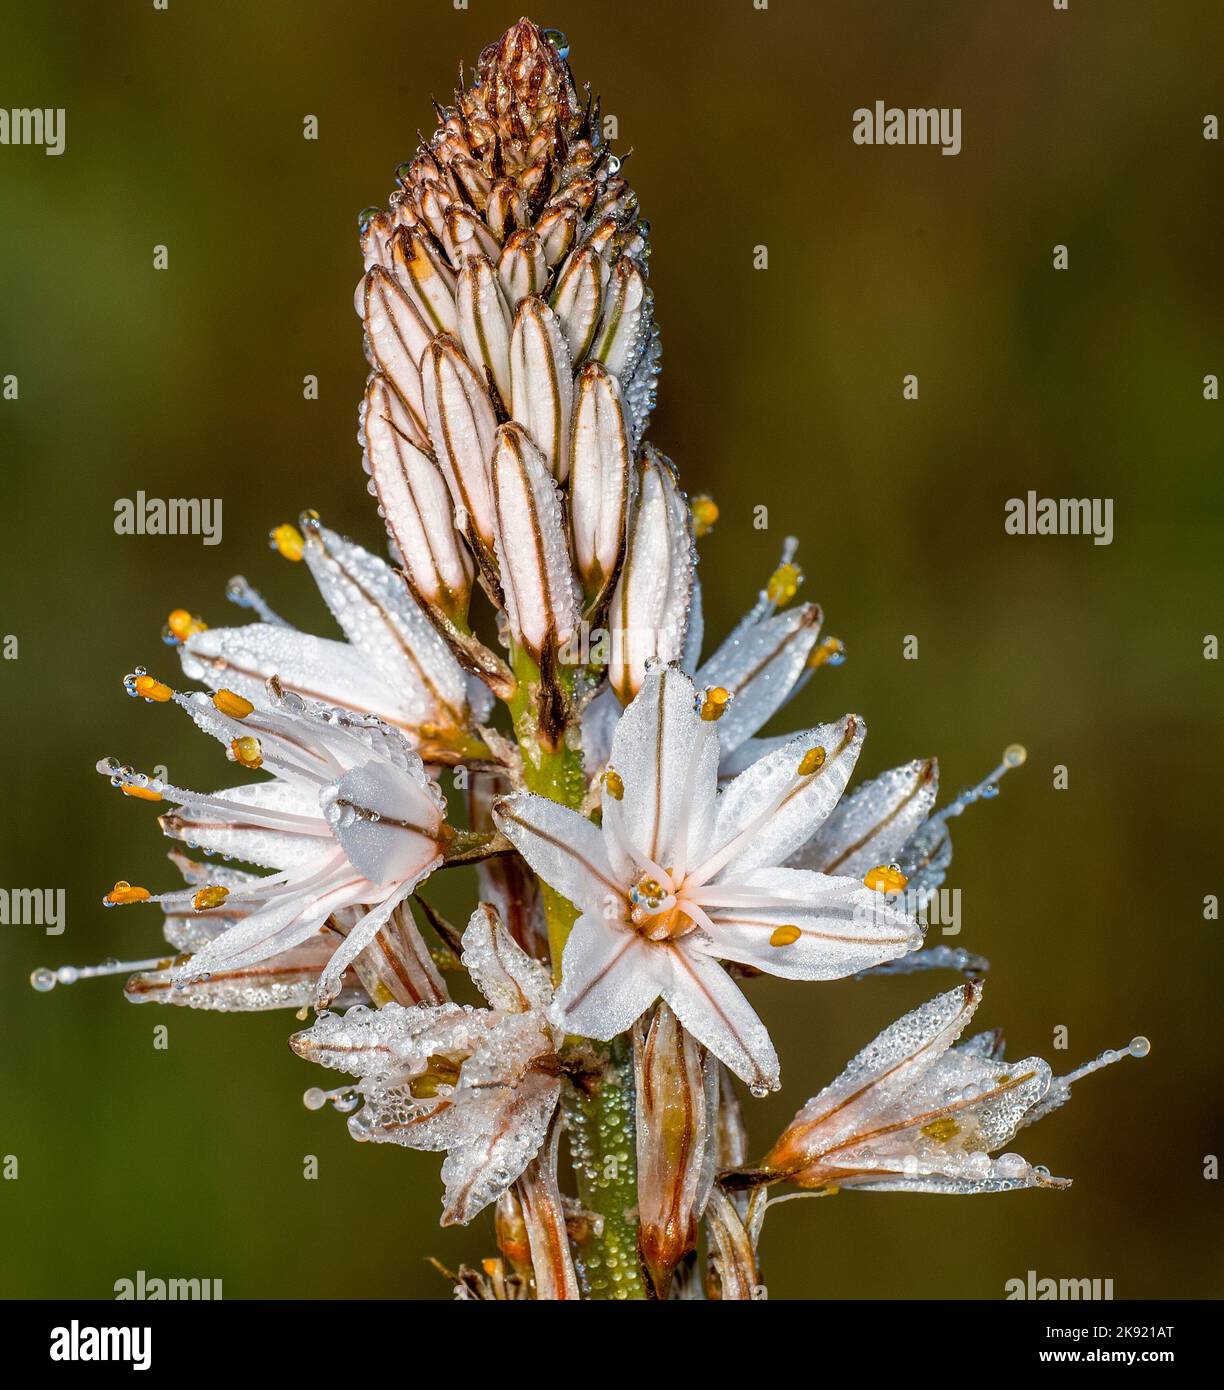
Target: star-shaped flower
[
  {"x": 913, "y": 1113},
  {"x": 349, "y": 820},
  {"x": 482, "y": 1084},
  {"x": 680, "y": 876}
]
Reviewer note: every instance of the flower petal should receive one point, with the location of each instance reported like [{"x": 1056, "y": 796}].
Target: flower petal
[
  {"x": 564, "y": 848},
  {"x": 503, "y": 972},
  {"x": 842, "y": 927},
  {"x": 462, "y": 428},
  {"x": 771, "y": 810},
  {"x": 609, "y": 977},
  {"x": 712, "y": 1007},
  {"x": 386, "y": 821},
  {"x": 760, "y": 669},
  {"x": 870, "y": 826},
  {"x": 542, "y": 383},
  {"x": 600, "y": 478}
]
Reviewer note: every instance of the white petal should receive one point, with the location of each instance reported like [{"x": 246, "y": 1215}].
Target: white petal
[
  {"x": 522, "y": 269},
  {"x": 542, "y": 382},
  {"x": 711, "y": 1006},
  {"x": 242, "y": 659},
  {"x": 380, "y": 617},
  {"x": 502, "y": 1132},
  {"x": 772, "y": 809},
  {"x": 870, "y": 826},
  {"x": 565, "y": 849},
  {"x": 532, "y": 551},
  {"x": 225, "y": 830},
  {"x": 843, "y": 927},
  {"x": 609, "y": 977},
  {"x": 667, "y": 759},
  {"x": 883, "y": 1071},
  {"x": 760, "y": 667},
  {"x": 503, "y": 972},
  {"x": 385, "y": 821},
  {"x": 360, "y": 936}
]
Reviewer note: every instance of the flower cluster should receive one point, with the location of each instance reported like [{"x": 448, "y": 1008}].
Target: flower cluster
[{"x": 640, "y": 851}]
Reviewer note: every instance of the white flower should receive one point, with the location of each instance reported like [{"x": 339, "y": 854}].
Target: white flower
[
  {"x": 681, "y": 876},
  {"x": 350, "y": 820},
  {"x": 480, "y": 1083},
  {"x": 394, "y": 665},
  {"x": 913, "y": 1113}
]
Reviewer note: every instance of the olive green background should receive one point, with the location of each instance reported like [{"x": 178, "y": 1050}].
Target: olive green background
[{"x": 781, "y": 388}]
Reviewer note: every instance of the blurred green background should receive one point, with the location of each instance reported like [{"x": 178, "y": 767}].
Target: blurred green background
[{"x": 780, "y": 388}]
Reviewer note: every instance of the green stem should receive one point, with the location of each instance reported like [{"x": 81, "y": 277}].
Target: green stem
[
  {"x": 602, "y": 1148},
  {"x": 600, "y": 1122}
]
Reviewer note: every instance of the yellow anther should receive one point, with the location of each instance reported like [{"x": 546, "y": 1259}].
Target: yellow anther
[
  {"x": 614, "y": 784},
  {"x": 212, "y": 896},
  {"x": 784, "y": 583},
  {"x": 247, "y": 751},
  {"x": 649, "y": 888},
  {"x": 288, "y": 541},
  {"x": 493, "y": 1268},
  {"x": 885, "y": 879},
  {"x": 942, "y": 1130},
  {"x": 182, "y": 624},
  {"x": 442, "y": 1071},
  {"x": 141, "y": 793},
  {"x": 784, "y": 936},
  {"x": 124, "y": 892},
  {"x": 150, "y": 689},
  {"x": 812, "y": 761},
  {"x": 825, "y": 651},
  {"x": 714, "y": 702},
  {"x": 705, "y": 514},
  {"x": 227, "y": 702}
]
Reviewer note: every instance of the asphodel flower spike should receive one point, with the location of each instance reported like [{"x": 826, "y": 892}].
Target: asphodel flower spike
[{"x": 640, "y": 848}]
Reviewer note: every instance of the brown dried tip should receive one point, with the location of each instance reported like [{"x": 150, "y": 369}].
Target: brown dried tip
[{"x": 522, "y": 86}]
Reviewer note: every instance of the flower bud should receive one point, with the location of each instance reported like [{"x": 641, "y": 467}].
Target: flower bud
[
  {"x": 676, "y": 1090},
  {"x": 649, "y": 616},
  {"x": 600, "y": 477}
]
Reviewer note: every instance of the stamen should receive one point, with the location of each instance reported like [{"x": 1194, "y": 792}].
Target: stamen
[
  {"x": 239, "y": 592},
  {"x": 1014, "y": 755},
  {"x": 765, "y": 605},
  {"x": 705, "y": 514},
  {"x": 181, "y": 625},
  {"x": 212, "y": 895},
  {"x": 1137, "y": 1047},
  {"x": 812, "y": 761},
  {"x": 783, "y": 584},
  {"x": 713, "y": 702},
  {"x": 287, "y": 541},
  {"x": 229, "y": 703},
  {"x": 140, "y": 685},
  {"x": 885, "y": 878},
  {"x": 141, "y": 793},
  {"x": 124, "y": 892},
  {"x": 830, "y": 652},
  {"x": 44, "y": 980},
  {"x": 247, "y": 751}
]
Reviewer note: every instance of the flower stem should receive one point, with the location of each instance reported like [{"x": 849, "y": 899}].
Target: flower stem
[
  {"x": 600, "y": 1121},
  {"x": 602, "y": 1147}
]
